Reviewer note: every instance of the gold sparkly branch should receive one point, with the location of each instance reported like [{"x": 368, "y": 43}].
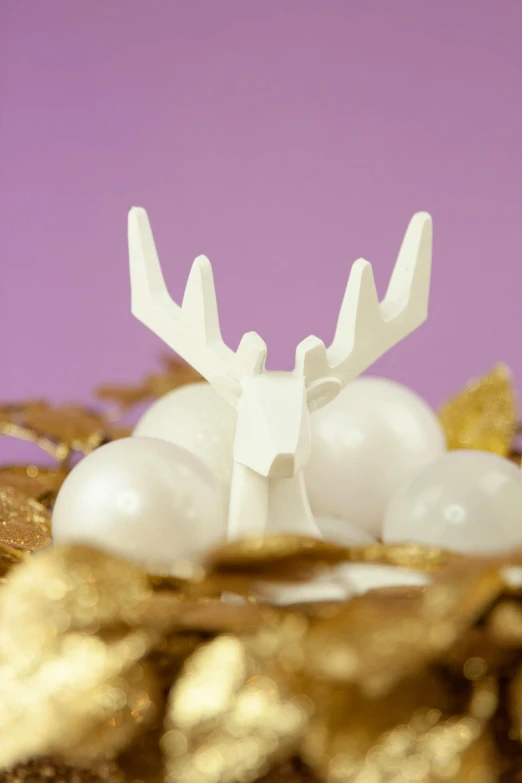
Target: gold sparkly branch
[{"x": 484, "y": 416}]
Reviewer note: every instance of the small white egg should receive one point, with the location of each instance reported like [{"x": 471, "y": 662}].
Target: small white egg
[
  {"x": 144, "y": 499},
  {"x": 365, "y": 444},
  {"x": 197, "y": 418},
  {"x": 466, "y": 501}
]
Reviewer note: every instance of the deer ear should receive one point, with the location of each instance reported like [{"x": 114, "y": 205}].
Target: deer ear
[{"x": 321, "y": 392}]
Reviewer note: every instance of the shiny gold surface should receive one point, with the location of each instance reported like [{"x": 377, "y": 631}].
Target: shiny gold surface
[
  {"x": 110, "y": 674},
  {"x": 484, "y": 415}
]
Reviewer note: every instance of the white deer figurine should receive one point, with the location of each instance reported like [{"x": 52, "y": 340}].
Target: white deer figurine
[{"x": 272, "y": 441}]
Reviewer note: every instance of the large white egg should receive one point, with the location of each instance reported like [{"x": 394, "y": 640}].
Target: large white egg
[
  {"x": 466, "y": 501},
  {"x": 365, "y": 444},
  {"x": 197, "y": 418},
  {"x": 144, "y": 499}
]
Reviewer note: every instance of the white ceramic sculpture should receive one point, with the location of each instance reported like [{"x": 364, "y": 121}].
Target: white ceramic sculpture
[{"x": 272, "y": 440}]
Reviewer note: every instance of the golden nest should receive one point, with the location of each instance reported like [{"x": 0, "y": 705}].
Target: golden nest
[{"x": 111, "y": 674}]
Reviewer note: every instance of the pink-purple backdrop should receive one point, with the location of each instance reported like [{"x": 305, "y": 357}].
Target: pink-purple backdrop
[{"x": 282, "y": 139}]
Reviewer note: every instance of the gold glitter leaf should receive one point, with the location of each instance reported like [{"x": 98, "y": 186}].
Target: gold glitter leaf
[
  {"x": 415, "y": 556},
  {"x": 123, "y": 707},
  {"x": 351, "y": 735},
  {"x": 49, "y": 770},
  {"x": 377, "y": 643},
  {"x": 505, "y": 624},
  {"x": 24, "y": 523},
  {"x": 73, "y": 426},
  {"x": 143, "y": 761},
  {"x": 408, "y": 736},
  {"x": 280, "y": 555},
  {"x": 230, "y": 717},
  {"x": 484, "y": 415},
  {"x": 39, "y": 483},
  {"x": 56, "y": 430},
  {"x": 292, "y": 771},
  {"x": 9, "y": 557},
  {"x": 168, "y": 613},
  {"x": 176, "y": 373},
  {"x": 293, "y": 558},
  {"x": 71, "y": 679},
  {"x": 116, "y": 433},
  {"x": 12, "y": 413},
  {"x": 93, "y": 589},
  {"x": 515, "y": 704},
  {"x": 13, "y": 424},
  {"x": 159, "y": 384},
  {"x": 125, "y": 396}
]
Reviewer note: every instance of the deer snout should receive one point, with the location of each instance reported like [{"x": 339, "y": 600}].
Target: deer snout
[
  {"x": 273, "y": 426},
  {"x": 270, "y": 462},
  {"x": 282, "y": 466}
]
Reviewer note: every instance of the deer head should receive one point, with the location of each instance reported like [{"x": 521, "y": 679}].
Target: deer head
[{"x": 273, "y": 425}]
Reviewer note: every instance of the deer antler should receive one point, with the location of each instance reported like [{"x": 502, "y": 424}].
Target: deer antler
[
  {"x": 366, "y": 329},
  {"x": 191, "y": 330}
]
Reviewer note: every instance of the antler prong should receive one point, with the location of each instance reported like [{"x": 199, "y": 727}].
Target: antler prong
[
  {"x": 191, "y": 330},
  {"x": 147, "y": 283},
  {"x": 359, "y": 314},
  {"x": 366, "y": 329},
  {"x": 251, "y": 354},
  {"x": 199, "y": 305},
  {"x": 409, "y": 284}
]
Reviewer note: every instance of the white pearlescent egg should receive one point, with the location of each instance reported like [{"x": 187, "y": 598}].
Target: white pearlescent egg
[
  {"x": 197, "y": 418},
  {"x": 466, "y": 501},
  {"x": 144, "y": 499},
  {"x": 365, "y": 444},
  {"x": 342, "y": 531}
]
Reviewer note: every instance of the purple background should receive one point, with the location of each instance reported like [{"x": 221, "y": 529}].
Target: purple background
[{"x": 284, "y": 140}]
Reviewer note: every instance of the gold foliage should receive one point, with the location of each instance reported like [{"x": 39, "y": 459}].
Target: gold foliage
[
  {"x": 27, "y": 492},
  {"x": 9, "y": 557},
  {"x": 174, "y": 374},
  {"x": 484, "y": 415},
  {"x": 57, "y": 430},
  {"x": 101, "y": 669},
  {"x": 286, "y": 557},
  {"x": 231, "y": 715},
  {"x": 40, "y": 484},
  {"x": 72, "y": 678},
  {"x": 110, "y": 674},
  {"x": 24, "y": 523}
]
